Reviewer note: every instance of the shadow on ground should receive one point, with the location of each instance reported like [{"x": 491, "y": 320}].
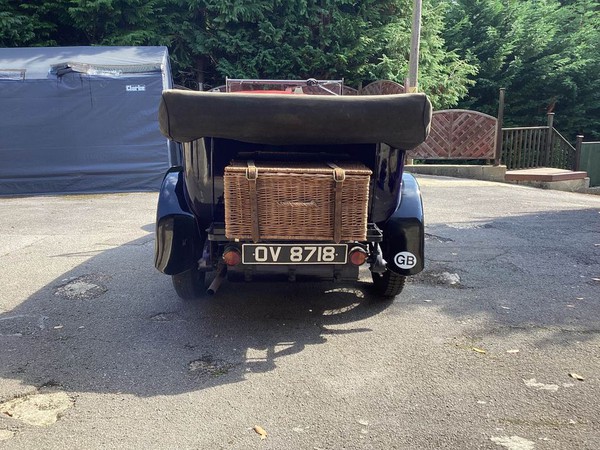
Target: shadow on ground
[
  {"x": 115, "y": 325},
  {"x": 524, "y": 273}
]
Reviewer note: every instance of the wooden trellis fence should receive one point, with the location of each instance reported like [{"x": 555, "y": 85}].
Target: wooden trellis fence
[
  {"x": 459, "y": 134},
  {"x": 462, "y": 134}
]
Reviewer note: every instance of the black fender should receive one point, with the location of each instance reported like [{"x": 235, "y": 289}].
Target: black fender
[
  {"x": 178, "y": 243},
  {"x": 403, "y": 244}
]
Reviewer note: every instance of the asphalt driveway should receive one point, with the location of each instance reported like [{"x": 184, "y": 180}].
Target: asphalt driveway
[{"x": 495, "y": 345}]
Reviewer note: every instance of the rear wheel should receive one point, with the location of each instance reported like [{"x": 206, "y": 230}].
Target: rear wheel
[
  {"x": 189, "y": 285},
  {"x": 388, "y": 284}
]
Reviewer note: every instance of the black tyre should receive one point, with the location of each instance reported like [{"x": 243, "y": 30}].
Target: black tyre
[
  {"x": 189, "y": 285},
  {"x": 388, "y": 284}
]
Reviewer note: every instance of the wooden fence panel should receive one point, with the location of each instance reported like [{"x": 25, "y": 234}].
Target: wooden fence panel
[
  {"x": 459, "y": 134},
  {"x": 382, "y": 87}
]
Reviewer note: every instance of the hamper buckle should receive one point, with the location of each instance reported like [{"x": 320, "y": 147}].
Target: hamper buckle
[
  {"x": 251, "y": 171},
  {"x": 339, "y": 174}
]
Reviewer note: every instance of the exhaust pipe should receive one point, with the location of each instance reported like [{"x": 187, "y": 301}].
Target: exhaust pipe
[{"x": 214, "y": 286}]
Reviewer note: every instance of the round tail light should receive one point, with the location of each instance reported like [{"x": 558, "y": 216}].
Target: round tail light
[
  {"x": 232, "y": 256},
  {"x": 358, "y": 256}
]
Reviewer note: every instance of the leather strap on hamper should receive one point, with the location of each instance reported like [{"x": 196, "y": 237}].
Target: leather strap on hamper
[
  {"x": 339, "y": 175},
  {"x": 252, "y": 175}
]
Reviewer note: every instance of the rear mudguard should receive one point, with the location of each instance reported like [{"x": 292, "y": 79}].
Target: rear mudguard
[
  {"x": 403, "y": 243},
  {"x": 178, "y": 244}
]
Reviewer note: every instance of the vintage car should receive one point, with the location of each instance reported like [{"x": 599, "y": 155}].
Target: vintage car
[{"x": 290, "y": 178}]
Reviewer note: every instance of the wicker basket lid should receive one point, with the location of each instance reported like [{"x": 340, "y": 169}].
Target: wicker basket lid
[{"x": 351, "y": 168}]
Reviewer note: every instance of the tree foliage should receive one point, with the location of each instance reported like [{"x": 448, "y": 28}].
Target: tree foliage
[
  {"x": 212, "y": 39},
  {"x": 546, "y": 53},
  {"x": 444, "y": 75}
]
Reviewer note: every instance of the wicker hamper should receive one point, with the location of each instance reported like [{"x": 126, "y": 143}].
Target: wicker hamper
[{"x": 296, "y": 201}]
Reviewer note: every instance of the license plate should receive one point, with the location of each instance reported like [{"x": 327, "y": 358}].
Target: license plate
[{"x": 294, "y": 254}]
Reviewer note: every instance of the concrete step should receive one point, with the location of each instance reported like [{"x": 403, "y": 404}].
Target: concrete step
[
  {"x": 541, "y": 177},
  {"x": 543, "y": 174},
  {"x": 550, "y": 178}
]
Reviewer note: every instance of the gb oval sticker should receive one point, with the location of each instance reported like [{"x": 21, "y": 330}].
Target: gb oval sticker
[{"x": 405, "y": 260}]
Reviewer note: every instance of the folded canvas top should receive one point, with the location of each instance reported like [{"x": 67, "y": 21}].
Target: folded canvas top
[{"x": 401, "y": 120}]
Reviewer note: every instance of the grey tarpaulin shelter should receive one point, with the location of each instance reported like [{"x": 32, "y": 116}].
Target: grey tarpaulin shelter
[{"x": 82, "y": 119}]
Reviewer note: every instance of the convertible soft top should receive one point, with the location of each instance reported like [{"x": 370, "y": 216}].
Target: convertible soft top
[{"x": 400, "y": 120}]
